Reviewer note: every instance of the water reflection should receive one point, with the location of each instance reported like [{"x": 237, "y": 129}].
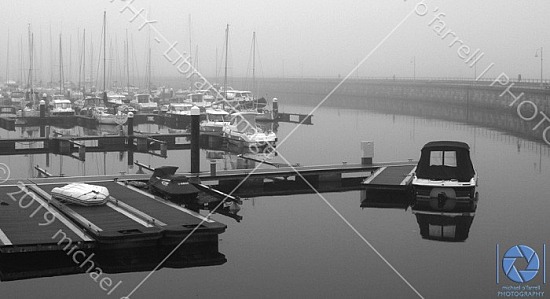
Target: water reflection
[
  {"x": 449, "y": 226},
  {"x": 19, "y": 266},
  {"x": 444, "y": 226}
]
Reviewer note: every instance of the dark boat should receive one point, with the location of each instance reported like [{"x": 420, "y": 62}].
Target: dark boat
[
  {"x": 175, "y": 187},
  {"x": 445, "y": 179}
]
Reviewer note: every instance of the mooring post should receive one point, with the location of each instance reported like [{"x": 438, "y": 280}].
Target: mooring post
[
  {"x": 130, "y": 122},
  {"x": 275, "y": 109},
  {"x": 42, "y": 115},
  {"x": 213, "y": 167},
  {"x": 368, "y": 152},
  {"x": 195, "y": 136},
  {"x": 42, "y": 108}
]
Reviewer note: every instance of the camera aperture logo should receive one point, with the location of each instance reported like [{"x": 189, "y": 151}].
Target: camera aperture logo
[
  {"x": 520, "y": 252},
  {"x": 521, "y": 264}
]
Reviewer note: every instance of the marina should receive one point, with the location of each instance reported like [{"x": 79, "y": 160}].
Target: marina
[
  {"x": 273, "y": 150},
  {"x": 273, "y": 186}
]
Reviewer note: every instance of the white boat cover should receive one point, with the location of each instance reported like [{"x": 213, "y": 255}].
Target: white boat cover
[{"x": 82, "y": 194}]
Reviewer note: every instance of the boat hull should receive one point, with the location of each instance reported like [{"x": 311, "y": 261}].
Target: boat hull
[{"x": 445, "y": 195}]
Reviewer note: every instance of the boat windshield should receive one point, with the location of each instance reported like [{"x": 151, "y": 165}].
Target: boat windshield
[
  {"x": 143, "y": 98},
  {"x": 196, "y": 98},
  {"x": 62, "y": 105},
  {"x": 92, "y": 102},
  {"x": 17, "y": 94},
  {"x": 180, "y": 107},
  {"x": 216, "y": 117},
  {"x": 7, "y": 110}
]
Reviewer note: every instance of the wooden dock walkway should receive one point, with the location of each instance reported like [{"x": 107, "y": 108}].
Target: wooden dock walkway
[
  {"x": 395, "y": 177},
  {"x": 130, "y": 219},
  {"x": 28, "y": 223}
]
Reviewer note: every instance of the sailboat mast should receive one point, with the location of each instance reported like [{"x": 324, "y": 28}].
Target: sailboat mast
[
  {"x": 104, "y": 48},
  {"x": 127, "y": 65},
  {"x": 254, "y": 62},
  {"x": 225, "y": 74},
  {"x": 149, "y": 68},
  {"x": 31, "y": 98},
  {"x": 190, "y": 45},
  {"x": 84, "y": 62},
  {"x": 51, "y": 58},
  {"x": 92, "y": 81},
  {"x": 8, "y": 59},
  {"x": 82, "y": 70},
  {"x": 61, "y": 83}
]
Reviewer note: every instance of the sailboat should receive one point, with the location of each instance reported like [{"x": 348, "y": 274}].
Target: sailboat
[
  {"x": 102, "y": 114},
  {"x": 259, "y": 104},
  {"x": 28, "y": 108}
]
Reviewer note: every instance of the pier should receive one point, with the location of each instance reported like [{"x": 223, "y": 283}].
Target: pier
[
  {"x": 134, "y": 218},
  {"x": 32, "y": 220}
]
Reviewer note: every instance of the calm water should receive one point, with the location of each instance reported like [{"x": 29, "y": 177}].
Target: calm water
[{"x": 297, "y": 246}]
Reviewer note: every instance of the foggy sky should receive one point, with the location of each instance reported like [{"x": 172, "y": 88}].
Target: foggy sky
[{"x": 299, "y": 38}]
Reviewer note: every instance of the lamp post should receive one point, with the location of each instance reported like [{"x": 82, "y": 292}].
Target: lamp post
[{"x": 537, "y": 55}]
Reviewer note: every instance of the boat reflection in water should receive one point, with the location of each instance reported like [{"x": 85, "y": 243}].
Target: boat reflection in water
[
  {"x": 453, "y": 227},
  {"x": 19, "y": 266},
  {"x": 449, "y": 226}
]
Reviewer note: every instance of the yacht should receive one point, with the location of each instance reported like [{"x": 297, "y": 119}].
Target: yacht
[
  {"x": 103, "y": 116},
  {"x": 216, "y": 120},
  {"x": 61, "y": 107},
  {"x": 144, "y": 103},
  {"x": 242, "y": 130}
]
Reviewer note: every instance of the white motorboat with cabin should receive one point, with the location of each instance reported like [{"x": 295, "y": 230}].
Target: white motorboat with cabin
[
  {"x": 90, "y": 103},
  {"x": 144, "y": 103},
  {"x": 242, "y": 129},
  {"x": 445, "y": 179},
  {"x": 216, "y": 120},
  {"x": 197, "y": 99},
  {"x": 115, "y": 99},
  {"x": 177, "y": 109},
  {"x": 207, "y": 95},
  {"x": 17, "y": 98},
  {"x": 103, "y": 116},
  {"x": 61, "y": 107}
]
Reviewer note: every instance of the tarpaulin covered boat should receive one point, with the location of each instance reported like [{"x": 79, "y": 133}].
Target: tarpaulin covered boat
[{"x": 82, "y": 194}]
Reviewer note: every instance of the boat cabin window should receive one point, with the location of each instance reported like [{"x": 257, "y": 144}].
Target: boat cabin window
[
  {"x": 63, "y": 105},
  {"x": 216, "y": 117},
  {"x": 17, "y": 95},
  {"x": 6, "y": 110},
  {"x": 196, "y": 98},
  {"x": 445, "y": 158},
  {"x": 143, "y": 98}
]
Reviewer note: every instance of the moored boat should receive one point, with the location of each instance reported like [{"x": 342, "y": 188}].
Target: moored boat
[
  {"x": 216, "y": 120},
  {"x": 242, "y": 130},
  {"x": 144, "y": 103},
  {"x": 168, "y": 184},
  {"x": 62, "y": 107},
  {"x": 104, "y": 117},
  {"x": 445, "y": 179}
]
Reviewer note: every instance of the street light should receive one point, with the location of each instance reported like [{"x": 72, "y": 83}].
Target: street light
[{"x": 537, "y": 55}]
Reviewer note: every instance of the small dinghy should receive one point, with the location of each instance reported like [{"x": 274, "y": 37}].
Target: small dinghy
[
  {"x": 82, "y": 194},
  {"x": 172, "y": 186}
]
